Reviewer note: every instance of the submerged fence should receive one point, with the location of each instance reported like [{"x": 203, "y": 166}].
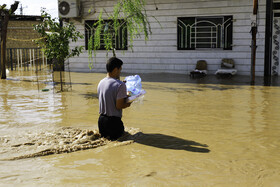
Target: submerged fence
[
  {"x": 33, "y": 59},
  {"x": 26, "y": 59}
]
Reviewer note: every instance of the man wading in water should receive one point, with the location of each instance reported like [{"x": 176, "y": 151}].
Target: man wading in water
[{"x": 112, "y": 96}]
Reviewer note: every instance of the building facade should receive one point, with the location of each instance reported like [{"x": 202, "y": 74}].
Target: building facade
[{"x": 189, "y": 30}]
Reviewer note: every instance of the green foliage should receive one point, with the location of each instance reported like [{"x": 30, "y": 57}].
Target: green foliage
[
  {"x": 3, "y": 7},
  {"x": 133, "y": 13},
  {"x": 56, "y": 38}
]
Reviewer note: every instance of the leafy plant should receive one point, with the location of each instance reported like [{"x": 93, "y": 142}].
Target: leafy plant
[
  {"x": 133, "y": 15},
  {"x": 57, "y": 38}
]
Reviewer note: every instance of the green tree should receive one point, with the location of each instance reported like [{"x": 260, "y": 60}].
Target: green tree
[
  {"x": 57, "y": 38},
  {"x": 133, "y": 15}
]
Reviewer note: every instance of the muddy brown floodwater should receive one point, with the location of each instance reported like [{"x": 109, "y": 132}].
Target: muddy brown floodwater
[{"x": 180, "y": 134}]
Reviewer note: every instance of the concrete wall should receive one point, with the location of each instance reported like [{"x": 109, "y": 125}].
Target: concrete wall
[{"x": 160, "y": 53}]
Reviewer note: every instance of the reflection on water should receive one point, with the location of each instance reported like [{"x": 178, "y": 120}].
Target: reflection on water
[{"x": 193, "y": 132}]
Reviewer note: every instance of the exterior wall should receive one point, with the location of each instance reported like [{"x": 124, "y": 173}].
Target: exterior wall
[
  {"x": 23, "y": 32},
  {"x": 160, "y": 53}
]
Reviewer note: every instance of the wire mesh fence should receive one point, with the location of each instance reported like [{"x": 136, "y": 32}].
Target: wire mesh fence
[
  {"x": 33, "y": 59},
  {"x": 26, "y": 59}
]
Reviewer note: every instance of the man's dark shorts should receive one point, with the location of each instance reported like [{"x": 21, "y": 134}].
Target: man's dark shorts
[{"x": 110, "y": 127}]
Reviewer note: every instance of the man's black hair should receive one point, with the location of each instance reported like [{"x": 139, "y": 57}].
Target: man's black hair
[{"x": 113, "y": 63}]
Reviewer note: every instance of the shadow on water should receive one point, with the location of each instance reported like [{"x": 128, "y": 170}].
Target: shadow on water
[
  {"x": 209, "y": 79},
  {"x": 90, "y": 95},
  {"x": 167, "y": 142}
]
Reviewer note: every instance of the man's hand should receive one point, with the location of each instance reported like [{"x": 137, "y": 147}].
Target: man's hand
[{"x": 121, "y": 104}]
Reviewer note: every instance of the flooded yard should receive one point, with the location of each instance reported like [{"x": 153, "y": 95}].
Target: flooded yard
[{"x": 182, "y": 133}]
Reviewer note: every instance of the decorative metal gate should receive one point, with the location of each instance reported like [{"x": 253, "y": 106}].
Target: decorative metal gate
[{"x": 275, "y": 46}]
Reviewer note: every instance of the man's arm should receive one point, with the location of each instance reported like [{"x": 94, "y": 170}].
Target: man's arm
[{"x": 121, "y": 104}]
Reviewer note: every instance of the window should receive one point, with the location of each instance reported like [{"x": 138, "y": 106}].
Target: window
[
  {"x": 119, "y": 39},
  {"x": 204, "y": 32},
  {"x": 276, "y": 6}
]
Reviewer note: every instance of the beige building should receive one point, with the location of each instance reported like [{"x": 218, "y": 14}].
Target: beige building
[
  {"x": 180, "y": 41},
  {"x": 20, "y": 31}
]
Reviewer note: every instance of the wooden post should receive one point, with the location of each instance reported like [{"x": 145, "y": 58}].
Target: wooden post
[
  {"x": 254, "y": 42},
  {"x": 5, "y": 15},
  {"x": 3, "y": 44}
]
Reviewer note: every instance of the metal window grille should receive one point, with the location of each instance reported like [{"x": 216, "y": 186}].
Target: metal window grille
[
  {"x": 205, "y": 32},
  {"x": 119, "y": 39}
]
